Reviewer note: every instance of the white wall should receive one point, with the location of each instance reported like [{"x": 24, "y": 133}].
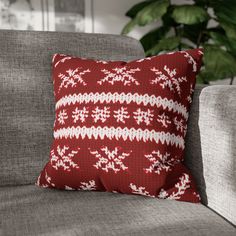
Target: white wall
[{"x": 109, "y": 17}]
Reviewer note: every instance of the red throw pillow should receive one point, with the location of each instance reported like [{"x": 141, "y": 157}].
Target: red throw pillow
[{"x": 120, "y": 126}]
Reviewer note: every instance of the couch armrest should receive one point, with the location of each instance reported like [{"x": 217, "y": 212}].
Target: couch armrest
[{"x": 211, "y": 147}]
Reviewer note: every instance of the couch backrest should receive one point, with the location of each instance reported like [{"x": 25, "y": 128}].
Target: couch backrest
[{"x": 26, "y": 92}]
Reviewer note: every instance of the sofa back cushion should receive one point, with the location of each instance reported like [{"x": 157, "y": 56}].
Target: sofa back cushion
[{"x": 26, "y": 92}]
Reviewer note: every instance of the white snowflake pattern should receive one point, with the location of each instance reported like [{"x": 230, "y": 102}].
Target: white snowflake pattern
[
  {"x": 110, "y": 159},
  {"x": 101, "y": 114},
  {"x": 170, "y": 80},
  {"x": 143, "y": 116},
  {"x": 91, "y": 185},
  {"x": 200, "y": 52},
  {"x": 38, "y": 180},
  {"x": 163, "y": 194},
  {"x": 122, "y": 74},
  {"x": 160, "y": 77},
  {"x": 80, "y": 114},
  {"x": 84, "y": 186},
  {"x": 190, "y": 60},
  {"x": 181, "y": 186},
  {"x": 73, "y": 77},
  {"x": 164, "y": 120},
  {"x": 139, "y": 190},
  {"x": 144, "y": 59},
  {"x": 170, "y": 53},
  {"x": 121, "y": 114},
  {"x": 48, "y": 180},
  {"x": 101, "y": 61},
  {"x": 62, "y": 116},
  {"x": 189, "y": 98},
  {"x": 179, "y": 125},
  {"x": 159, "y": 162},
  {"x": 63, "y": 160},
  {"x": 54, "y": 57},
  {"x": 69, "y": 188},
  {"x": 197, "y": 196},
  {"x": 62, "y": 60}
]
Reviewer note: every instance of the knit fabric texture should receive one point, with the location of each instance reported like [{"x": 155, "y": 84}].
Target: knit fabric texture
[{"x": 120, "y": 126}]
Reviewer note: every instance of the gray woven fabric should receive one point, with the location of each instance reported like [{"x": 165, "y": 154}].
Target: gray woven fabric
[
  {"x": 26, "y": 92},
  {"x": 29, "y": 210},
  {"x": 211, "y": 147}
]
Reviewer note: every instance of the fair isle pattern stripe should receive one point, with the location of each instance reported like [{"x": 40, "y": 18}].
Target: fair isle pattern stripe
[
  {"x": 123, "y": 98},
  {"x": 119, "y": 133}
]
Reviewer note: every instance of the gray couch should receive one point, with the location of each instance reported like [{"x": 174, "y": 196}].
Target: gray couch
[{"x": 26, "y": 122}]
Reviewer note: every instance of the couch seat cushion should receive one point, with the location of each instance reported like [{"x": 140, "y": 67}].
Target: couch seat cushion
[{"x": 28, "y": 210}]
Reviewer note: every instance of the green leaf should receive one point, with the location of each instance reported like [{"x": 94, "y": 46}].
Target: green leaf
[
  {"x": 189, "y": 14},
  {"x": 217, "y": 29},
  {"x": 167, "y": 18},
  {"x": 205, "y": 76},
  {"x": 192, "y": 32},
  {"x": 232, "y": 47},
  {"x": 151, "y": 38},
  {"x": 148, "y": 14},
  {"x": 219, "y": 38},
  {"x": 129, "y": 26},
  {"x": 166, "y": 44},
  {"x": 218, "y": 63},
  {"x": 222, "y": 40},
  {"x": 230, "y": 29},
  {"x": 202, "y": 78},
  {"x": 132, "y": 12},
  {"x": 201, "y": 2},
  {"x": 185, "y": 46},
  {"x": 152, "y": 12},
  {"x": 224, "y": 10}
]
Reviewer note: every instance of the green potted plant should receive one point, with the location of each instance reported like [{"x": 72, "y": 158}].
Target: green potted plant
[{"x": 190, "y": 26}]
